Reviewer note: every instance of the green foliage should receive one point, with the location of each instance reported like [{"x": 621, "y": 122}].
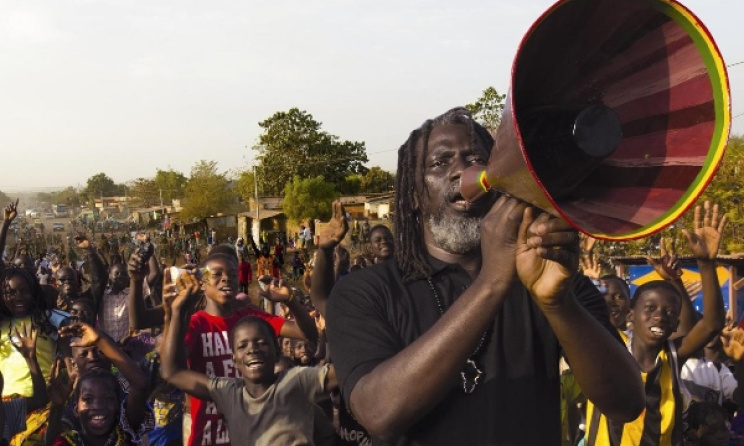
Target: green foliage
[
  {"x": 352, "y": 185},
  {"x": 488, "y": 108},
  {"x": 171, "y": 183},
  {"x": 144, "y": 192},
  {"x": 101, "y": 185},
  {"x": 68, "y": 196},
  {"x": 208, "y": 192},
  {"x": 309, "y": 198},
  {"x": 246, "y": 185},
  {"x": 378, "y": 180},
  {"x": 293, "y": 144}
]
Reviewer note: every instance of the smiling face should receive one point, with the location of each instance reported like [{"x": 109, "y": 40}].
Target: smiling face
[
  {"x": 451, "y": 222},
  {"x": 655, "y": 315},
  {"x": 302, "y": 352},
  {"x": 18, "y": 296},
  {"x": 381, "y": 243},
  {"x": 254, "y": 352},
  {"x": 97, "y": 407},
  {"x": 221, "y": 284},
  {"x": 618, "y": 301}
]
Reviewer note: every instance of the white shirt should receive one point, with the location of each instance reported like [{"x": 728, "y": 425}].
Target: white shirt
[{"x": 706, "y": 383}]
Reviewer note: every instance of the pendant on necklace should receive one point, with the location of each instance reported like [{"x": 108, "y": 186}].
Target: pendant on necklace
[{"x": 471, "y": 376}]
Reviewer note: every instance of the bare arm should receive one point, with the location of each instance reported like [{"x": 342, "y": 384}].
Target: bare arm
[
  {"x": 140, "y": 317},
  {"x": 704, "y": 243},
  {"x": 98, "y": 274},
  {"x": 303, "y": 327},
  {"x": 405, "y": 387},
  {"x": 173, "y": 360},
  {"x": 323, "y": 276},
  {"x": 546, "y": 258},
  {"x": 9, "y": 213},
  {"x": 137, "y": 397}
]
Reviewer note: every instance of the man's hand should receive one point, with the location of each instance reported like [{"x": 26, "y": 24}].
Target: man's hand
[
  {"x": 25, "y": 341},
  {"x": 499, "y": 237},
  {"x": 706, "y": 239},
  {"x": 547, "y": 257},
  {"x": 337, "y": 228},
  {"x": 11, "y": 211},
  {"x": 667, "y": 265},
  {"x": 88, "y": 336},
  {"x": 81, "y": 241},
  {"x": 136, "y": 267},
  {"x": 275, "y": 289},
  {"x": 733, "y": 343}
]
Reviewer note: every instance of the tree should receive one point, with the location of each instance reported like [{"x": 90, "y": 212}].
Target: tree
[
  {"x": 488, "y": 108},
  {"x": 4, "y": 199},
  {"x": 207, "y": 192},
  {"x": 171, "y": 183},
  {"x": 377, "y": 180},
  {"x": 352, "y": 185},
  {"x": 100, "y": 185},
  {"x": 246, "y": 185},
  {"x": 68, "y": 196},
  {"x": 309, "y": 198},
  {"x": 144, "y": 192},
  {"x": 293, "y": 144}
]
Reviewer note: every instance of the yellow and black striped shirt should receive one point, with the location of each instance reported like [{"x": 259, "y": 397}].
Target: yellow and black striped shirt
[{"x": 660, "y": 423}]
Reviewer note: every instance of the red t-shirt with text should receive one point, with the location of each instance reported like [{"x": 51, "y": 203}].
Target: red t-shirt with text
[{"x": 208, "y": 343}]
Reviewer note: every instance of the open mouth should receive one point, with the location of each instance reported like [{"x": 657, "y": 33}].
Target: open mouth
[
  {"x": 254, "y": 364},
  {"x": 98, "y": 421},
  {"x": 657, "y": 331}
]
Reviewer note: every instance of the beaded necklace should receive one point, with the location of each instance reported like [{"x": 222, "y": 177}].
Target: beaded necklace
[{"x": 471, "y": 375}]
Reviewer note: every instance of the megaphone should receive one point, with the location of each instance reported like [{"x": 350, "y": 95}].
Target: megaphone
[{"x": 617, "y": 118}]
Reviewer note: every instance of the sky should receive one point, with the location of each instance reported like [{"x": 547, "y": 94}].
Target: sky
[{"x": 126, "y": 87}]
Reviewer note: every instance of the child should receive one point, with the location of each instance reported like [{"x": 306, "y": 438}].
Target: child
[
  {"x": 707, "y": 425},
  {"x": 98, "y": 408},
  {"x": 254, "y": 403},
  {"x": 209, "y": 351},
  {"x": 93, "y": 350},
  {"x": 655, "y": 314},
  {"x": 245, "y": 274},
  {"x": 298, "y": 268}
]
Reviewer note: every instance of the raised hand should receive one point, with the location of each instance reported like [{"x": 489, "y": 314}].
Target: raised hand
[
  {"x": 25, "y": 340},
  {"x": 11, "y": 211},
  {"x": 189, "y": 292},
  {"x": 337, "y": 228},
  {"x": 667, "y": 265},
  {"x": 88, "y": 336},
  {"x": 733, "y": 343},
  {"x": 706, "y": 238},
  {"x": 590, "y": 266},
  {"x": 136, "y": 268},
  {"x": 547, "y": 257},
  {"x": 81, "y": 241},
  {"x": 60, "y": 386},
  {"x": 275, "y": 290}
]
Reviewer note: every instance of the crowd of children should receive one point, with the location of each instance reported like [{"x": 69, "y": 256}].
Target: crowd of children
[{"x": 146, "y": 355}]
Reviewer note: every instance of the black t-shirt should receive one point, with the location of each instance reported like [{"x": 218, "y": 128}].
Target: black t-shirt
[{"x": 372, "y": 315}]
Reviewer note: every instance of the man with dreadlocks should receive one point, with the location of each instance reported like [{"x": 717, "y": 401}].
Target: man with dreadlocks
[{"x": 457, "y": 339}]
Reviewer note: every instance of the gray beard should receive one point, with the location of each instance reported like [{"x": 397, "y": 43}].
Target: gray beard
[{"x": 456, "y": 235}]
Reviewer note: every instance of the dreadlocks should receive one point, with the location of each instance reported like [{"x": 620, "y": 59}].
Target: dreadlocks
[
  {"x": 410, "y": 252},
  {"x": 39, "y": 312}
]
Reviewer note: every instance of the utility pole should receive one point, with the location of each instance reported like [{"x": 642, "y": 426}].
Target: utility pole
[{"x": 258, "y": 212}]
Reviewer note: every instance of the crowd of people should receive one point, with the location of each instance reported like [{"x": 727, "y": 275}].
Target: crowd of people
[{"x": 486, "y": 323}]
